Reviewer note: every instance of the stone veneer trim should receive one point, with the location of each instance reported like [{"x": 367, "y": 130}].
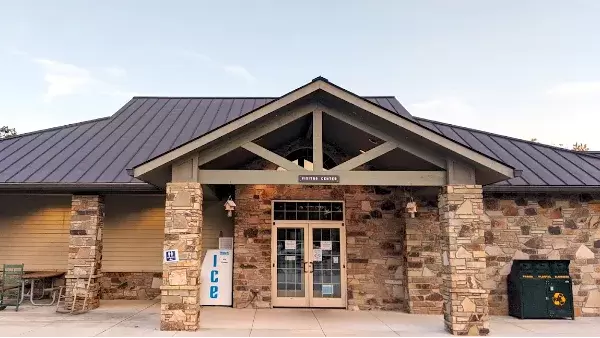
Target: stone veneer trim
[
  {"x": 180, "y": 290},
  {"x": 130, "y": 285},
  {"x": 85, "y": 249},
  {"x": 463, "y": 260}
]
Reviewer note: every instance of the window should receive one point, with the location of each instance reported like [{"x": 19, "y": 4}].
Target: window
[{"x": 309, "y": 211}]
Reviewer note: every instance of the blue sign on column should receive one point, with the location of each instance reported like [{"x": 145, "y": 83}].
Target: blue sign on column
[{"x": 171, "y": 256}]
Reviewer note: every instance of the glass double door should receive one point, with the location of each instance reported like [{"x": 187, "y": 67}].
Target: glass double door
[{"x": 309, "y": 265}]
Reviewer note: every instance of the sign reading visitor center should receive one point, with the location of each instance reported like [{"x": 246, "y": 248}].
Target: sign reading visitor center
[
  {"x": 318, "y": 179},
  {"x": 171, "y": 256}
]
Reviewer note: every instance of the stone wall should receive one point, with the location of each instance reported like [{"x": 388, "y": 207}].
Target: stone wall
[
  {"x": 424, "y": 261},
  {"x": 375, "y": 231},
  {"x": 130, "y": 285},
  {"x": 544, "y": 227}
]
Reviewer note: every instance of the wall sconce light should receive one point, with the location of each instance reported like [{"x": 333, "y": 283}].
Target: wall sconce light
[{"x": 411, "y": 208}]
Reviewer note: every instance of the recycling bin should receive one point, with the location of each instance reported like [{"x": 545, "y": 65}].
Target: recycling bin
[{"x": 540, "y": 289}]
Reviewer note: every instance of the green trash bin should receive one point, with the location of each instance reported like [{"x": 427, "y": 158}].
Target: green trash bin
[{"x": 540, "y": 289}]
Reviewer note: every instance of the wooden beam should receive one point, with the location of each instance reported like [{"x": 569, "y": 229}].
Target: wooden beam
[
  {"x": 250, "y": 135},
  {"x": 309, "y": 130},
  {"x": 366, "y": 156},
  {"x": 398, "y": 178},
  {"x": 459, "y": 172},
  {"x": 402, "y": 144},
  {"x": 317, "y": 140},
  {"x": 183, "y": 171},
  {"x": 271, "y": 156}
]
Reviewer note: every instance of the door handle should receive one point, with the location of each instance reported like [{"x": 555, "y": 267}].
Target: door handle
[{"x": 305, "y": 266}]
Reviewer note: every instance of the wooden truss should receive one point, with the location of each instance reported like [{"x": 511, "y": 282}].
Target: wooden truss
[{"x": 341, "y": 174}]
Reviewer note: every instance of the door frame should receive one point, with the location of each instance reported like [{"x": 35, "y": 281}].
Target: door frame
[
  {"x": 287, "y": 301},
  {"x": 308, "y": 300},
  {"x": 329, "y": 302}
]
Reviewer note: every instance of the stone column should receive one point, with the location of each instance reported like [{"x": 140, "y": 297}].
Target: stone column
[
  {"x": 463, "y": 260},
  {"x": 85, "y": 248},
  {"x": 180, "y": 292}
]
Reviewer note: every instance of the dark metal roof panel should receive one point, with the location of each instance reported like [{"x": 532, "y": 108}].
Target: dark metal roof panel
[
  {"x": 390, "y": 103},
  {"x": 167, "y": 140},
  {"x": 54, "y": 162},
  {"x": 9, "y": 168},
  {"x": 474, "y": 143},
  {"x": 46, "y": 157},
  {"x": 430, "y": 125},
  {"x": 15, "y": 158},
  {"x": 14, "y": 147},
  {"x": 77, "y": 163},
  {"x": 208, "y": 119},
  {"x": 554, "y": 169},
  {"x": 99, "y": 151},
  {"x": 450, "y": 133},
  {"x": 141, "y": 138},
  {"x": 536, "y": 168},
  {"x": 128, "y": 136},
  {"x": 195, "y": 120},
  {"x": 573, "y": 168},
  {"x": 542, "y": 165},
  {"x": 7, "y": 142}
]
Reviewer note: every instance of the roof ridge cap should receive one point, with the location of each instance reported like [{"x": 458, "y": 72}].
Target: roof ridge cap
[
  {"x": 234, "y": 97},
  {"x": 508, "y": 137},
  {"x": 202, "y": 97}
]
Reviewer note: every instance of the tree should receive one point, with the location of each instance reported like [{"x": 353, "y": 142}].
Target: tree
[
  {"x": 580, "y": 147},
  {"x": 5, "y": 131},
  {"x": 576, "y": 147}
]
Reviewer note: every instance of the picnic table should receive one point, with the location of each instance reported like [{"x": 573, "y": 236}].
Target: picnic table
[{"x": 32, "y": 277}]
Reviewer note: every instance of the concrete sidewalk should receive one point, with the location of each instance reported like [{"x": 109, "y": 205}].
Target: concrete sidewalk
[{"x": 141, "y": 318}]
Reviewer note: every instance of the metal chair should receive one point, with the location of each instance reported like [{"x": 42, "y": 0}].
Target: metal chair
[
  {"x": 11, "y": 287},
  {"x": 80, "y": 285}
]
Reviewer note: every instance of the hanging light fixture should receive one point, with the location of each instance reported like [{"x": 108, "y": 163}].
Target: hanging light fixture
[
  {"x": 229, "y": 206},
  {"x": 411, "y": 206}
]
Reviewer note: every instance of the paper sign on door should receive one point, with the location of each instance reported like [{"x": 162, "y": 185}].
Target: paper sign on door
[
  {"x": 290, "y": 245},
  {"x": 290, "y": 258},
  {"x": 336, "y": 260},
  {"x": 327, "y": 289},
  {"x": 317, "y": 255},
  {"x": 325, "y": 245}
]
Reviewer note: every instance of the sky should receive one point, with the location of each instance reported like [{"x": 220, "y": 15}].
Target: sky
[{"x": 521, "y": 68}]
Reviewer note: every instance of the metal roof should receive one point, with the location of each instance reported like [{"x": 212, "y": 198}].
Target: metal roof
[
  {"x": 99, "y": 151},
  {"x": 542, "y": 165}
]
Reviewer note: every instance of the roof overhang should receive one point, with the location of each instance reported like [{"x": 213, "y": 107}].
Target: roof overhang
[
  {"x": 528, "y": 189},
  {"x": 495, "y": 170},
  {"x": 79, "y": 187}
]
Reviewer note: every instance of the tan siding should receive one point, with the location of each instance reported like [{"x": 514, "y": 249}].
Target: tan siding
[
  {"x": 34, "y": 230},
  {"x": 215, "y": 220},
  {"x": 133, "y": 233}
]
